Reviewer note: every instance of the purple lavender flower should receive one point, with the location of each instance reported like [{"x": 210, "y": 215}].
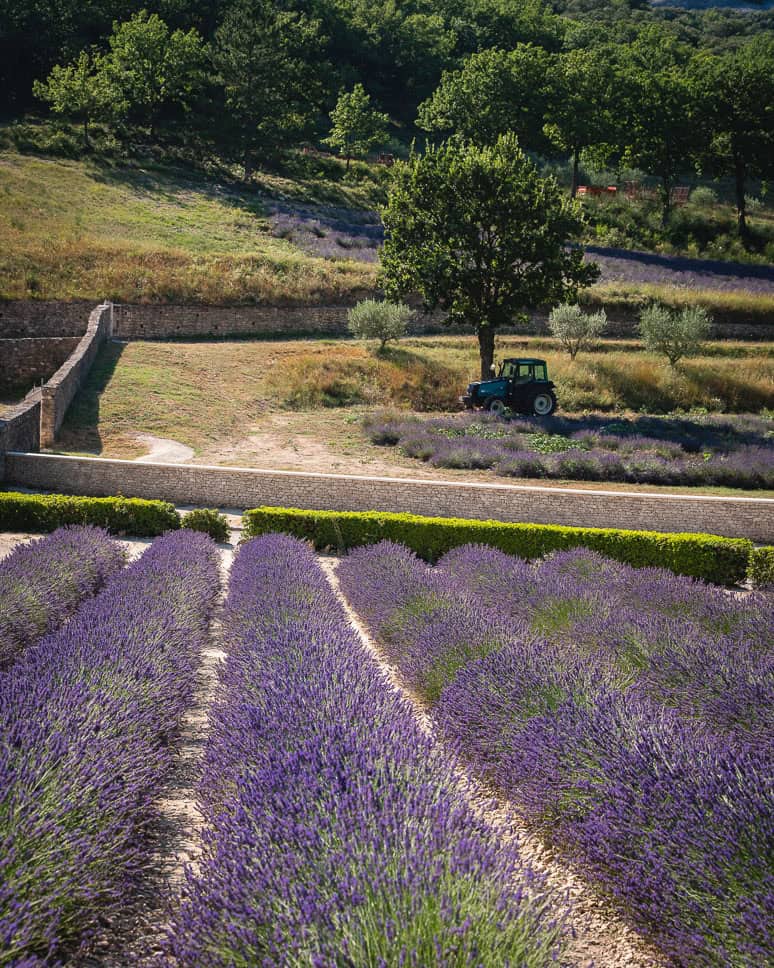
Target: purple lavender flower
[
  {"x": 86, "y": 719},
  {"x": 336, "y": 830},
  {"x": 42, "y": 583}
]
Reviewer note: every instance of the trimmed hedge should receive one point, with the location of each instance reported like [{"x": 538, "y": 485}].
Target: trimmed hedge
[
  {"x": 119, "y": 515},
  {"x": 209, "y": 521},
  {"x": 760, "y": 570},
  {"x": 709, "y": 557}
]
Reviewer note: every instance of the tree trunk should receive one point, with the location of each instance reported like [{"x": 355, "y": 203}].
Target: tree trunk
[
  {"x": 741, "y": 204},
  {"x": 248, "y": 163},
  {"x": 86, "y": 142},
  {"x": 347, "y": 165},
  {"x": 486, "y": 343},
  {"x": 666, "y": 201},
  {"x": 574, "y": 184}
]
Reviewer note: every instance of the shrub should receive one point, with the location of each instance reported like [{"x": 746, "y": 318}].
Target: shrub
[
  {"x": 209, "y": 521},
  {"x": 709, "y": 557},
  {"x": 760, "y": 570},
  {"x": 575, "y": 329},
  {"x": 119, "y": 515},
  {"x": 674, "y": 334},
  {"x": 382, "y": 320}
]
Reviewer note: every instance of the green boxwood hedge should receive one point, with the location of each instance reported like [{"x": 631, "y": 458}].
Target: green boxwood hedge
[
  {"x": 760, "y": 570},
  {"x": 711, "y": 558},
  {"x": 119, "y": 515}
]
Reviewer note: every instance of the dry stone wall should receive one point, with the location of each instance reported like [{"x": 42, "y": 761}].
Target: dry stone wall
[
  {"x": 25, "y": 362},
  {"x": 58, "y": 393},
  {"x": 39, "y": 317},
  {"x": 242, "y": 488},
  {"x": 20, "y": 427}
]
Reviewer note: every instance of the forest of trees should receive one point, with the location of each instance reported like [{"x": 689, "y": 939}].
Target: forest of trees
[{"x": 664, "y": 91}]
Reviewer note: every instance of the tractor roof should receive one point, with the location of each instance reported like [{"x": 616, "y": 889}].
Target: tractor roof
[{"x": 522, "y": 359}]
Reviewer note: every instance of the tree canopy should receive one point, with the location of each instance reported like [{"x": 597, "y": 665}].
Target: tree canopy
[{"x": 479, "y": 234}]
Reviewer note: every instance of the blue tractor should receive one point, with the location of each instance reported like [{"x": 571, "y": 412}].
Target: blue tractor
[{"x": 521, "y": 385}]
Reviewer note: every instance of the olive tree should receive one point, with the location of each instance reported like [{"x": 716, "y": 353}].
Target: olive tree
[
  {"x": 379, "y": 319},
  {"x": 478, "y": 233},
  {"x": 575, "y": 329},
  {"x": 674, "y": 334}
]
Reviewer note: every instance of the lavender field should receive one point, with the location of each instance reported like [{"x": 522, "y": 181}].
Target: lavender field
[
  {"x": 725, "y": 451},
  {"x": 627, "y": 713}
]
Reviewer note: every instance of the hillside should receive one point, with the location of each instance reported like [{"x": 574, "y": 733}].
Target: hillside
[{"x": 76, "y": 229}]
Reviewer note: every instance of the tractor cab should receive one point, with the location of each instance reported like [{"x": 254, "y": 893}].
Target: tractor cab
[{"x": 519, "y": 384}]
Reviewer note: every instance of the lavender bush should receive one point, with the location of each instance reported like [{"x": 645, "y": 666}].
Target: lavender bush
[
  {"x": 713, "y": 451},
  {"x": 86, "y": 719},
  {"x": 628, "y": 712},
  {"x": 336, "y": 832},
  {"x": 42, "y": 583}
]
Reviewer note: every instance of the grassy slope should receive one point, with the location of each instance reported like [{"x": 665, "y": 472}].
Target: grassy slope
[
  {"x": 176, "y": 390},
  {"x": 71, "y": 229},
  {"x": 82, "y": 229}
]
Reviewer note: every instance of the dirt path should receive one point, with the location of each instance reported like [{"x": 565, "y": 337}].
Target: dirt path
[
  {"x": 163, "y": 450},
  {"x": 600, "y": 937}
]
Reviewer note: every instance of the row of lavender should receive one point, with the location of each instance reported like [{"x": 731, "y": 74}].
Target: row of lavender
[
  {"x": 42, "y": 583},
  {"x": 735, "y": 452},
  {"x": 86, "y": 718},
  {"x": 336, "y": 832},
  {"x": 629, "y": 713}
]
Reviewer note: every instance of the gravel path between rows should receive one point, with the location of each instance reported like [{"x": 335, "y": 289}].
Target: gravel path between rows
[{"x": 600, "y": 937}]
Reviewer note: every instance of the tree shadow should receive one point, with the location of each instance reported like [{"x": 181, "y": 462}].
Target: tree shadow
[
  {"x": 636, "y": 390},
  {"x": 80, "y": 429}
]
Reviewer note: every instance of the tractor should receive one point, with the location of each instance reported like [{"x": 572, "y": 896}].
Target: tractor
[{"x": 520, "y": 384}]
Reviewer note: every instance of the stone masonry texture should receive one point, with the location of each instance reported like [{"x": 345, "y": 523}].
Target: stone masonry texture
[
  {"x": 25, "y": 362},
  {"x": 243, "y": 488}
]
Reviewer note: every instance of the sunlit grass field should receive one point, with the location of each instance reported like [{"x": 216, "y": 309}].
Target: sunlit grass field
[
  {"x": 71, "y": 229},
  {"x": 212, "y": 395}
]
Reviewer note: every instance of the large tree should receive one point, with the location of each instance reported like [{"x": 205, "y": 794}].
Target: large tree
[
  {"x": 153, "y": 67},
  {"x": 268, "y": 61},
  {"x": 735, "y": 93},
  {"x": 655, "y": 121},
  {"x": 80, "y": 90},
  {"x": 477, "y": 233},
  {"x": 493, "y": 92},
  {"x": 580, "y": 111}
]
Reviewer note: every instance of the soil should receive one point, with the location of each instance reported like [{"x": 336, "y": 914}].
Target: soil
[
  {"x": 161, "y": 450},
  {"x": 599, "y": 937}
]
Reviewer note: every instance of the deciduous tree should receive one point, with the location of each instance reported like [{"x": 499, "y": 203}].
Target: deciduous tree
[
  {"x": 356, "y": 125},
  {"x": 80, "y": 90},
  {"x": 478, "y": 233}
]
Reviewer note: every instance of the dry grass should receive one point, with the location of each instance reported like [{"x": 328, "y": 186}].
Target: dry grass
[
  {"x": 75, "y": 230},
  {"x": 212, "y": 395}
]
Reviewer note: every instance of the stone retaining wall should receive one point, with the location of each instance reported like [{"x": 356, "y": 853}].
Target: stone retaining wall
[
  {"x": 243, "y": 488},
  {"x": 58, "y": 393},
  {"x": 26, "y": 361},
  {"x": 38, "y": 318},
  {"x": 41, "y": 317},
  {"x": 20, "y": 427}
]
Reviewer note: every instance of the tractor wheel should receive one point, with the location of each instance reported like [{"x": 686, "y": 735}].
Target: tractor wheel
[
  {"x": 496, "y": 407},
  {"x": 544, "y": 403}
]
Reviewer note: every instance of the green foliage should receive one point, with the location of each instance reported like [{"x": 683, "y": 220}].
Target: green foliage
[
  {"x": 575, "y": 329},
  {"x": 711, "y": 558},
  {"x": 495, "y": 91},
  {"x": 80, "y": 90},
  {"x": 479, "y": 234},
  {"x": 150, "y": 67},
  {"x": 674, "y": 334},
  {"x": 356, "y": 125},
  {"x": 119, "y": 515},
  {"x": 269, "y": 63},
  {"x": 760, "y": 571},
  {"x": 379, "y": 319},
  {"x": 208, "y": 520}
]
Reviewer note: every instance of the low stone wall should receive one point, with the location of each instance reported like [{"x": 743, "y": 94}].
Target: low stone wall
[
  {"x": 20, "y": 427},
  {"x": 26, "y": 361},
  {"x": 243, "y": 488},
  {"x": 40, "y": 317},
  {"x": 58, "y": 393}
]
